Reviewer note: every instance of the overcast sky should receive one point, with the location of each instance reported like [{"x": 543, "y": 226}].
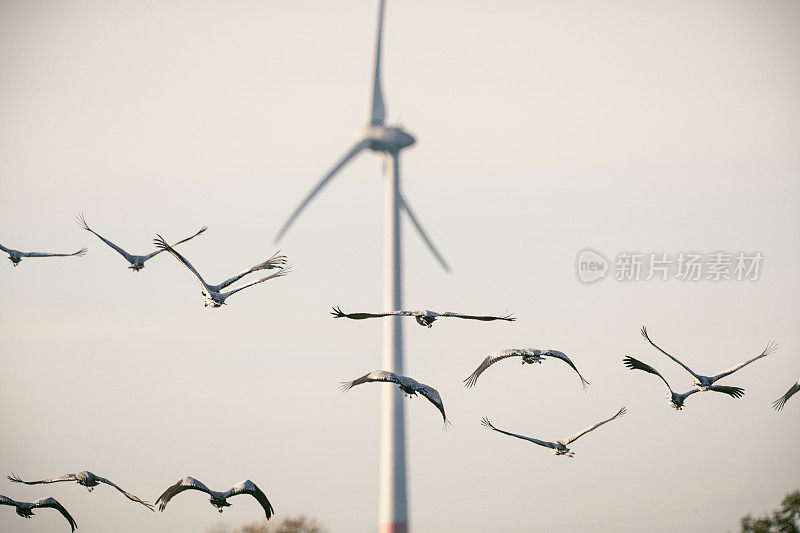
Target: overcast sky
[{"x": 543, "y": 128}]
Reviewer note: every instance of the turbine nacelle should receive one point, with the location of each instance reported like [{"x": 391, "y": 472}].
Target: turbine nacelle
[{"x": 383, "y": 138}]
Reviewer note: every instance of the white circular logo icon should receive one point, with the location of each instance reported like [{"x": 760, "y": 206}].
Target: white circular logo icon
[{"x": 592, "y": 266}]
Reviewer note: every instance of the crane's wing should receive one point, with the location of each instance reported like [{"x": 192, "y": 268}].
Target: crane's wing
[
  {"x": 780, "y": 402},
  {"x": 375, "y": 375},
  {"x": 644, "y": 334},
  {"x": 563, "y": 357},
  {"x": 127, "y": 494},
  {"x": 771, "y": 348},
  {"x": 433, "y": 396},
  {"x": 80, "y": 252},
  {"x": 248, "y": 487},
  {"x": 485, "y": 422},
  {"x": 734, "y": 392},
  {"x": 152, "y": 254},
  {"x": 635, "y": 364},
  {"x": 278, "y": 274},
  {"x": 687, "y": 394},
  {"x": 187, "y": 483},
  {"x": 276, "y": 261},
  {"x": 82, "y": 223},
  {"x": 65, "y": 477},
  {"x": 52, "y": 503},
  {"x": 489, "y": 361},
  {"x": 507, "y": 318},
  {"x": 583, "y": 432},
  {"x": 7, "y": 501},
  {"x": 6, "y": 250},
  {"x": 162, "y": 244},
  {"x": 338, "y": 313},
  {"x": 360, "y": 145}
]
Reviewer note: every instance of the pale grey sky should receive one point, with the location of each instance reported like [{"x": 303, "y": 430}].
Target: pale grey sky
[{"x": 543, "y": 128}]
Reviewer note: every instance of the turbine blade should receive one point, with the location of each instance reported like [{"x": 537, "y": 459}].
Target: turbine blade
[
  {"x": 418, "y": 226},
  {"x": 378, "y": 109},
  {"x": 360, "y": 145}
]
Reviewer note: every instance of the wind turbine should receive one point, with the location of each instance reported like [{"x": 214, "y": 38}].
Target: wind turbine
[{"x": 388, "y": 140}]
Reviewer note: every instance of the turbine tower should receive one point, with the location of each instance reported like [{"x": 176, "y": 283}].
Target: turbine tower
[{"x": 389, "y": 141}]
